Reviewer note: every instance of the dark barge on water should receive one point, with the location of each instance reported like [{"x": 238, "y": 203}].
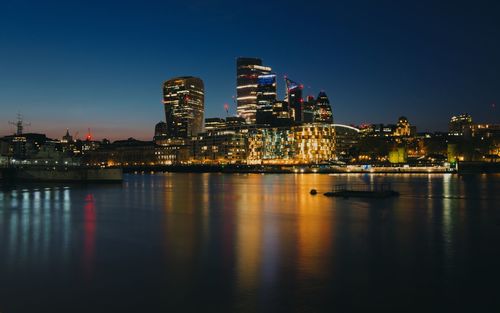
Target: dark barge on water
[{"x": 382, "y": 190}]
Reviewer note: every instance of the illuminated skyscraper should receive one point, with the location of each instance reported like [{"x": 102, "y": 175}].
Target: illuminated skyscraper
[
  {"x": 323, "y": 112},
  {"x": 266, "y": 96},
  {"x": 248, "y": 71},
  {"x": 294, "y": 99},
  {"x": 184, "y": 100}
]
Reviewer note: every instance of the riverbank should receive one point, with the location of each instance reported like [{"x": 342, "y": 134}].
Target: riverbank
[{"x": 284, "y": 169}]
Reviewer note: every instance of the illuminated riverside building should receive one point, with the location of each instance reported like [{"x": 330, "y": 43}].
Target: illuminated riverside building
[
  {"x": 183, "y": 98},
  {"x": 346, "y": 139},
  {"x": 315, "y": 142},
  {"x": 304, "y": 144},
  {"x": 173, "y": 151},
  {"x": 271, "y": 145},
  {"x": 323, "y": 110},
  {"x": 219, "y": 147},
  {"x": 248, "y": 71}
]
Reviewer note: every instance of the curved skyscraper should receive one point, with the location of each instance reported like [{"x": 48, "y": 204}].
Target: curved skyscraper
[
  {"x": 323, "y": 113},
  {"x": 184, "y": 101},
  {"x": 248, "y": 71}
]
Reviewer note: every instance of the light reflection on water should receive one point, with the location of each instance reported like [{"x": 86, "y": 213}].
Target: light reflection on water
[
  {"x": 250, "y": 242},
  {"x": 29, "y": 219}
]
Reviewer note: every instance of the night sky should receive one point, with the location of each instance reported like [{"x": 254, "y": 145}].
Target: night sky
[{"x": 100, "y": 64}]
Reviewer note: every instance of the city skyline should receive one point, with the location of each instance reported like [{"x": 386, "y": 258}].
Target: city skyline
[{"x": 416, "y": 63}]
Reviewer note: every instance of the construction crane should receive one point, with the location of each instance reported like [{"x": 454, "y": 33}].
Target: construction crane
[{"x": 19, "y": 124}]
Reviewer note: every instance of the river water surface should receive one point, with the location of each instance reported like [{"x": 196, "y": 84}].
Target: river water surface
[{"x": 251, "y": 243}]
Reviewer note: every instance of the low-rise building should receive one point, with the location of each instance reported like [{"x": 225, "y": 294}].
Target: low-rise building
[
  {"x": 304, "y": 144},
  {"x": 220, "y": 147}
]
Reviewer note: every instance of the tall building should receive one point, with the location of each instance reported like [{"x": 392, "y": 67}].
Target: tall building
[
  {"x": 309, "y": 109},
  {"x": 248, "y": 71},
  {"x": 323, "y": 112},
  {"x": 294, "y": 99},
  {"x": 281, "y": 114},
  {"x": 266, "y": 96},
  {"x": 460, "y": 125},
  {"x": 184, "y": 101}
]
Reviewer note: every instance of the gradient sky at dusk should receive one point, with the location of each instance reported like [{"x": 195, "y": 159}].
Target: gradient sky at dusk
[{"x": 100, "y": 64}]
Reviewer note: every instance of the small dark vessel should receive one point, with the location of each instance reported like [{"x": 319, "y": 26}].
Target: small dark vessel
[
  {"x": 313, "y": 192},
  {"x": 383, "y": 190}
]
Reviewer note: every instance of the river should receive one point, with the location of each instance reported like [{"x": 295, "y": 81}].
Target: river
[{"x": 251, "y": 243}]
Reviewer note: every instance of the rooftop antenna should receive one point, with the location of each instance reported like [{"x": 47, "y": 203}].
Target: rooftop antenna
[{"x": 19, "y": 124}]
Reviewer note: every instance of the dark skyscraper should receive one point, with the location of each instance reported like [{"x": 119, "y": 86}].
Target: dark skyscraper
[
  {"x": 184, "y": 99},
  {"x": 266, "y": 96},
  {"x": 248, "y": 71},
  {"x": 294, "y": 99},
  {"x": 308, "y": 110},
  {"x": 323, "y": 112}
]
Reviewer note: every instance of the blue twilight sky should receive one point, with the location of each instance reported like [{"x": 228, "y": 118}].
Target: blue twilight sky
[{"x": 100, "y": 64}]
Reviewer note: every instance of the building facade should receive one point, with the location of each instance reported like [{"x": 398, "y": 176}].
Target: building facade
[
  {"x": 294, "y": 99},
  {"x": 248, "y": 71},
  {"x": 219, "y": 147},
  {"x": 302, "y": 144},
  {"x": 184, "y": 101},
  {"x": 266, "y": 96},
  {"x": 346, "y": 139},
  {"x": 460, "y": 125},
  {"x": 323, "y": 109},
  {"x": 309, "y": 110}
]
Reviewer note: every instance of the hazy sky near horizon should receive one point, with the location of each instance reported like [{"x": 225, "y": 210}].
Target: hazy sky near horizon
[{"x": 101, "y": 64}]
